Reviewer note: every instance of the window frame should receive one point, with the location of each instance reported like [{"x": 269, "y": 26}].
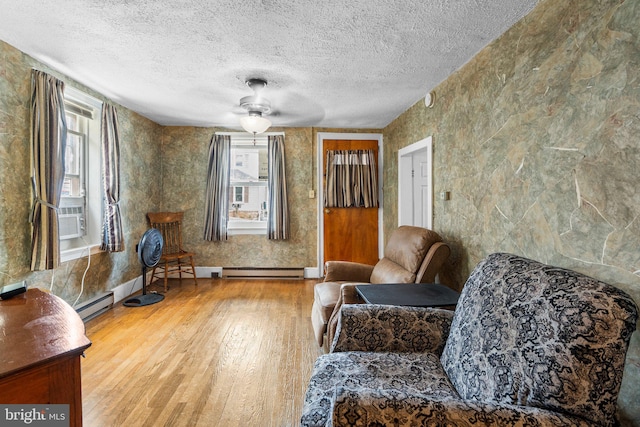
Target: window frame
[
  {"x": 90, "y": 110},
  {"x": 243, "y": 196}
]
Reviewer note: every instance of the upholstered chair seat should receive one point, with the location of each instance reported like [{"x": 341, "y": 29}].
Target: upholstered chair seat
[{"x": 412, "y": 255}]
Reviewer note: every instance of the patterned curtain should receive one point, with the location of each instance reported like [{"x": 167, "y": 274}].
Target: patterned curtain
[
  {"x": 217, "y": 193},
  {"x": 352, "y": 179},
  {"x": 112, "y": 240},
  {"x": 278, "y": 221},
  {"x": 48, "y": 144}
]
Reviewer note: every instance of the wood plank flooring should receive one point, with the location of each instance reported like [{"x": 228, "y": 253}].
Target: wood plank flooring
[{"x": 228, "y": 352}]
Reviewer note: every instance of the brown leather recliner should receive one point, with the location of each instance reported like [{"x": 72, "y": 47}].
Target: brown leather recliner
[{"x": 412, "y": 255}]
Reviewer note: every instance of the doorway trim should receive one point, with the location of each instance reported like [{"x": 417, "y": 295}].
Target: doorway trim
[
  {"x": 405, "y": 181},
  {"x": 321, "y": 136}
]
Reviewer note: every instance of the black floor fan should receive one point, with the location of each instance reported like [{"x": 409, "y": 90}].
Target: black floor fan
[{"x": 149, "y": 253}]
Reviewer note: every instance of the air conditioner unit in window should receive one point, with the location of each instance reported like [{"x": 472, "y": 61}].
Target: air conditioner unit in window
[{"x": 71, "y": 220}]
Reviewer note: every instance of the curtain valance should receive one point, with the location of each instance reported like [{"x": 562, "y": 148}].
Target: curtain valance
[{"x": 351, "y": 179}]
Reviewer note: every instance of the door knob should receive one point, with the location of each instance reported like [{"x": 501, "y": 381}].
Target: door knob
[{"x": 327, "y": 211}]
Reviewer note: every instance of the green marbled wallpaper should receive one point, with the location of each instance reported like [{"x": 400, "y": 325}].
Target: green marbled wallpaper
[
  {"x": 538, "y": 140},
  {"x": 184, "y": 168},
  {"x": 140, "y": 171},
  {"x": 162, "y": 168}
]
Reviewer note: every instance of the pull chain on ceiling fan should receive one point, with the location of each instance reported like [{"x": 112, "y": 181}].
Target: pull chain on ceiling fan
[{"x": 256, "y": 105}]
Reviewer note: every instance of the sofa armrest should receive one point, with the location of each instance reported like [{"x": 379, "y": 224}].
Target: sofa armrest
[
  {"x": 378, "y": 407},
  {"x": 348, "y": 295},
  {"x": 372, "y": 327},
  {"x": 433, "y": 261},
  {"x": 346, "y": 271}
]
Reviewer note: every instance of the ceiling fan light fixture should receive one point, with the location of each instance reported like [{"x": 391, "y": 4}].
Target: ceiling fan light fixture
[
  {"x": 254, "y": 123},
  {"x": 256, "y": 103}
]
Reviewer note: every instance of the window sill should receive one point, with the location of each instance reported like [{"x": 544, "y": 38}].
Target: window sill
[
  {"x": 80, "y": 252},
  {"x": 247, "y": 227}
]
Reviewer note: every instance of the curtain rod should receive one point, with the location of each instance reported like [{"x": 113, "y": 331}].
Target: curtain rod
[{"x": 250, "y": 134}]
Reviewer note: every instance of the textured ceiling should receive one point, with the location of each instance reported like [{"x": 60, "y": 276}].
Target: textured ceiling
[{"x": 331, "y": 63}]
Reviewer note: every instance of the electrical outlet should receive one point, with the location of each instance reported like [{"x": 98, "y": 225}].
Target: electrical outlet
[{"x": 312, "y": 194}]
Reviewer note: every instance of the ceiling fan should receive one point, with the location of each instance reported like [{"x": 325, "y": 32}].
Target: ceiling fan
[{"x": 256, "y": 105}]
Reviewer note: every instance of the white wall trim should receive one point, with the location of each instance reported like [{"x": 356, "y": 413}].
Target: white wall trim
[
  {"x": 80, "y": 252},
  {"x": 126, "y": 289},
  {"x": 312, "y": 273},
  {"x": 205, "y": 272},
  {"x": 405, "y": 201}
]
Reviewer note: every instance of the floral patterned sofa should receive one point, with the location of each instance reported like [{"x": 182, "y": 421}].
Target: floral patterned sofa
[{"x": 528, "y": 345}]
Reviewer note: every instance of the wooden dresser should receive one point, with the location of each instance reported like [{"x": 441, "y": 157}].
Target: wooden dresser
[{"x": 41, "y": 341}]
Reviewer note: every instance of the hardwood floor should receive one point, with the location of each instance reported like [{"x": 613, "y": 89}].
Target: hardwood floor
[{"x": 228, "y": 352}]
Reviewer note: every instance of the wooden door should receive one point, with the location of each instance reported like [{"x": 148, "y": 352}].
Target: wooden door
[{"x": 350, "y": 234}]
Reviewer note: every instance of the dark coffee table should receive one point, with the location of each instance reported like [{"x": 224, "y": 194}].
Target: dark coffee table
[{"x": 409, "y": 294}]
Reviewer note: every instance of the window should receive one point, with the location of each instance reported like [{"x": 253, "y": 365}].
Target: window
[
  {"x": 80, "y": 214},
  {"x": 239, "y": 195},
  {"x": 262, "y": 178},
  {"x": 248, "y": 186}
]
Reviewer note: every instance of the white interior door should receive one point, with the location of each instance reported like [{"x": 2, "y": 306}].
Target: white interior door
[
  {"x": 421, "y": 189},
  {"x": 415, "y": 184}
]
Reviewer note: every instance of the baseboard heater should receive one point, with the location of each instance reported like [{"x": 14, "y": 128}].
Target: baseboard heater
[
  {"x": 95, "y": 306},
  {"x": 262, "y": 273}
]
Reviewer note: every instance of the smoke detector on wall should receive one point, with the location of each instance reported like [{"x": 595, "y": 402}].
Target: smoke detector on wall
[
  {"x": 256, "y": 105},
  {"x": 430, "y": 99}
]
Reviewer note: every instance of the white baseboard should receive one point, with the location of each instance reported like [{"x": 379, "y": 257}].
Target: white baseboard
[
  {"x": 263, "y": 272},
  {"x": 134, "y": 285},
  {"x": 207, "y": 272},
  {"x": 95, "y": 306},
  {"x": 312, "y": 273},
  {"x": 128, "y": 288}
]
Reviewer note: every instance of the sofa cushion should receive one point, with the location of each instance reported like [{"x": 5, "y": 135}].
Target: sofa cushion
[
  {"x": 326, "y": 294},
  {"x": 389, "y": 407},
  {"x": 399, "y": 373},
  {"x": 404, "y": 254},
  {"x": 529, "y": 334},
  {"x": 389, "y": 328},
  {"x": 408, "y": 246},
  {"x": 325, "y": 297}
]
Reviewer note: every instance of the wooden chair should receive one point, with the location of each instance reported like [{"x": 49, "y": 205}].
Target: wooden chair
[{"x": 174, "y": 257}]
